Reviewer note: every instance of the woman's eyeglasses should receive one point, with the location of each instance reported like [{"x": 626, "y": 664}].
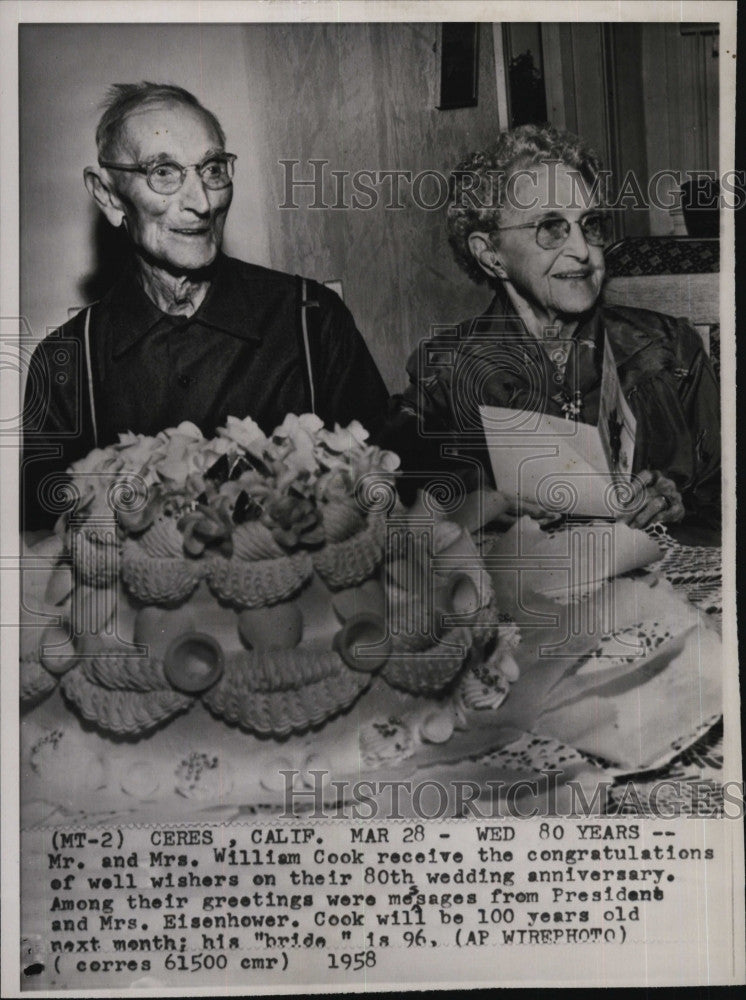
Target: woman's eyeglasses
[
  {"x": 167, "y": 176},
  {"x": 552, "y": 233}
]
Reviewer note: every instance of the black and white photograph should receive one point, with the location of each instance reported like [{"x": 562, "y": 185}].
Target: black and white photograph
[{"x": 368, "y": 515}]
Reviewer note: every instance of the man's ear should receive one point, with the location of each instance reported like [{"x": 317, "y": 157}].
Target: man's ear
[
  {"x": 100, "y": 189},
  {"x": 486, "y": 255}
]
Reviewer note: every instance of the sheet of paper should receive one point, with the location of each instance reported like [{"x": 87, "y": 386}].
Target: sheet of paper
[{"x": 559, "y": 464}]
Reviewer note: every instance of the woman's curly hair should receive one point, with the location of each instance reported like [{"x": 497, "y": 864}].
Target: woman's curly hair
[{"x": 478, "y": 184}]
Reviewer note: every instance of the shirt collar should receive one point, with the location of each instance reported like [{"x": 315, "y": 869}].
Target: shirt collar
[{"x": 229, "y": 306}]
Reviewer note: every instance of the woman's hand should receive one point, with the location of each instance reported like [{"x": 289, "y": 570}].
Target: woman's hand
[{"x": 654, "y": 498}]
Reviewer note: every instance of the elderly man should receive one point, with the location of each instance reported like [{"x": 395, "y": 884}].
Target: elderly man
[{"x": 187, "y": 333}]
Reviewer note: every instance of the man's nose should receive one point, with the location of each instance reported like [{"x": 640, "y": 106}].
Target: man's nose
[
  {"x": 576, "y": 242},
  {"x": 194, "y": 194}
]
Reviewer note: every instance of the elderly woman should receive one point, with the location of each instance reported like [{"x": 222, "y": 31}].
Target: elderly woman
[{"x": 526, "y": 217}]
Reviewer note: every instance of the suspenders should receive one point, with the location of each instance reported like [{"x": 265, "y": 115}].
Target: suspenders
[
  {"x": 305, "y": 305},
  {"x": 89, "y": 372}
]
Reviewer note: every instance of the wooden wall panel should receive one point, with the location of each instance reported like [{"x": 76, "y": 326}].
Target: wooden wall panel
[
  {"x": 627, "y": 122},
  {"x": 362, "y": 97},
  {"x": 645, "y": 95},
  {"x": 711, "y": 58},
  {"x": 554, "y": 77},
  {"x": 680, "y": 87}
]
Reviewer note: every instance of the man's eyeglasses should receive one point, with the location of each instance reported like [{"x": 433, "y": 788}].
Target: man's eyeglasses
[
  {"x": 552, "y": 233},
  {"x": 167, "y": 176}
]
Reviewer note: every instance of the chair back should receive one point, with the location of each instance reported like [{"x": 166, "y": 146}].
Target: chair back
[{"x": 676, "y": 275}]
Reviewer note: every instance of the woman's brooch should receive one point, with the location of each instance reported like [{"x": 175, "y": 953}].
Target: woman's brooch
[{"x": 571, "y": 404}]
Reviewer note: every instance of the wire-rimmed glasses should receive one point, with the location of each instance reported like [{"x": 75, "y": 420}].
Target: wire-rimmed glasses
[
  {"x": 167, "y": 176},
  {"x": 551, "y": 233}
]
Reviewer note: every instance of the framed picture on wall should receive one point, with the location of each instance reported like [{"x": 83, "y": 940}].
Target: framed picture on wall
[{"x": 458, "y": 65}]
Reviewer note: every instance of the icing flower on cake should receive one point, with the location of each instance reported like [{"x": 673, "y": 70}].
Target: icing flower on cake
[
  {"x": 244, "y": 433},
  {"x": 206, "y": 526},
  {"x": 346, "y": 449},
  {"x": 283, "y": 477},
  {"x": 293, "y": 520},
  {"x": 294, "y": 442}
]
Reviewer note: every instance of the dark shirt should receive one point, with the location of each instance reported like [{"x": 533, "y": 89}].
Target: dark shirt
[
  {"x": 241, "y": 354},
  {"x": 663, "y": 370}
]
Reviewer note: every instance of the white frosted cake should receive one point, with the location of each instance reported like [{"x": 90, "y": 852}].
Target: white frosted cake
[{"x": 210, "y": 613}]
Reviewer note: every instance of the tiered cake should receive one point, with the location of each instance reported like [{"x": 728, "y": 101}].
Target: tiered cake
[{"x": 213, "y": 612}]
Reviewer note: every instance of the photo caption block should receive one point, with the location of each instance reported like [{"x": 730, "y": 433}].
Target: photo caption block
[{"x": 348, "y": 904}]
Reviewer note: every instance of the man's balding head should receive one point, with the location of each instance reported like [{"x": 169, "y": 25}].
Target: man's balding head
[{"x": 124, "y": 99}]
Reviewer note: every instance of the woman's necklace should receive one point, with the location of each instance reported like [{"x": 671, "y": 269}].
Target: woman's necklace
[
  {"x": 571, "y": 403},
  {"x": 558, "y": 355}
]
